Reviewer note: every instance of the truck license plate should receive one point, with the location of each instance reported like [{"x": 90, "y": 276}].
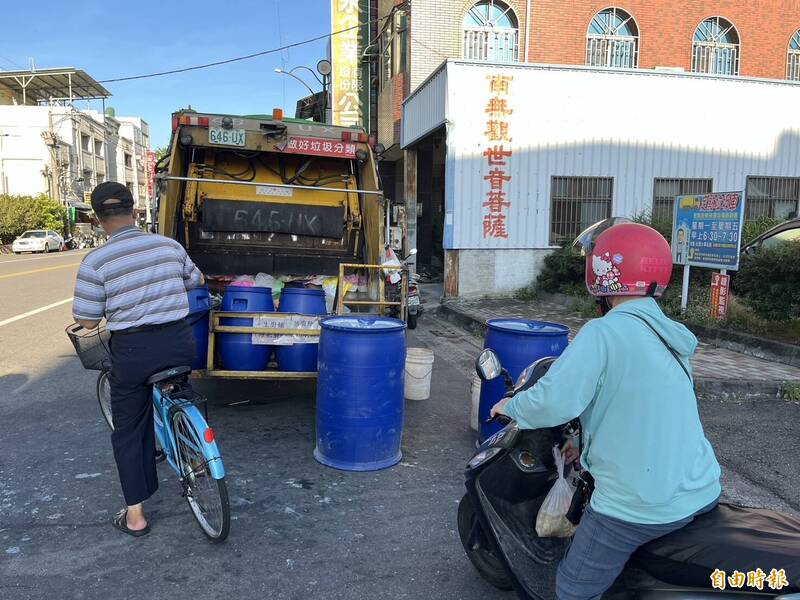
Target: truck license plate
[{"x": 226, "y": 137}]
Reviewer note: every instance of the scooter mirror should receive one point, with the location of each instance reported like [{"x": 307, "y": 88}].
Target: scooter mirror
[{"x": 488, "y": 365}]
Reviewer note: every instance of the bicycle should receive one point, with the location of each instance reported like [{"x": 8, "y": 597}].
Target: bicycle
[{"x": 183, "y": 434}]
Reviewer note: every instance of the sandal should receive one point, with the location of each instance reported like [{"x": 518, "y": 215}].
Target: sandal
[{"x": 120, "y": 522}]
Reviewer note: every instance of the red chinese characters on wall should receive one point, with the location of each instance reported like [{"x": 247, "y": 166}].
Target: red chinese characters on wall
[{"x": 497, "y": 153}]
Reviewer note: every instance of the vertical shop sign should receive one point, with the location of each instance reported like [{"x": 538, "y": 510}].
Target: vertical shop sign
[
  {"x": 349, "y": 25},
  {"x": 719, "y": 295},
  {"x": 150, "y": 165}
]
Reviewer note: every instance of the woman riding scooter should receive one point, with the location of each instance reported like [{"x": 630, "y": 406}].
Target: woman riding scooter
[{"x": 627, "y": 376}]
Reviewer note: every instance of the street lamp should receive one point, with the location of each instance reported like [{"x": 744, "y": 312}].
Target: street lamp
[
  {"x": 324, "y": 68},
  {"x": 291, "y": 74}
]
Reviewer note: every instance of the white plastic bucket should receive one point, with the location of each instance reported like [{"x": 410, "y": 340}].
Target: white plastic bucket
[
  {"x": 476, "y": 402},
  {"x": 419, "y": 367}
]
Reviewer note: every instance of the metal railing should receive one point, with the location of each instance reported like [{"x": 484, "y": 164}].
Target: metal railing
[
  {"x": 498, "y": 45},
  {"x": 715, "y": 58},
  {"x": 612, "y": 51},
  {"x": 793, "y": 65}
]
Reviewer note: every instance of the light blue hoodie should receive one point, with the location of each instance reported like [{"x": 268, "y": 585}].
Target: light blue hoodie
[{"x": 643, "y": 441}]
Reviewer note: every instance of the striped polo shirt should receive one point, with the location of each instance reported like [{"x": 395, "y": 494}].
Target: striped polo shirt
[{"x": 135, "y": 279}]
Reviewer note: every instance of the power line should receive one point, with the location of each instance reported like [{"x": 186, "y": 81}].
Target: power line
[
  {"x": 11, "y": 62},
  {"x": 246, "y": 57}
]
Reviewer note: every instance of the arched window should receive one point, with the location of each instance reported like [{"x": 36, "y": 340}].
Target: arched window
[
  {"x": 793, "y": 59},
  {"x": 715, "y": 48},
  {"x": 490, "y": 32},
  {"x": 612, "y": 40}
]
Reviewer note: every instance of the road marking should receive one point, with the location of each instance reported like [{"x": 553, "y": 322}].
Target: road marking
[
  {"x": 35, "y": 311},
  {"x": 14, "y": 259},
  {"x": 39, "y": 270}
]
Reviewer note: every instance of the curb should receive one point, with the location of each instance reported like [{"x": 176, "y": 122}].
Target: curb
[
  {"x": 705, "y": 385},
  {"x": 751, "y": 345},
  {"x": 743, "y": 343}
]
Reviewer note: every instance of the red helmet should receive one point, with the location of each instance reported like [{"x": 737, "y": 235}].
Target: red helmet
[{"x": 625, "y": 259}]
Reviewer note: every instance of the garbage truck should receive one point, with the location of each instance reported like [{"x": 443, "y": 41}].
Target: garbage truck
[{"x": 265, "y": 200}]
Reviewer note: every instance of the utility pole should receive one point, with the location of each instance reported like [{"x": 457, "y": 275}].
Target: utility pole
[{"x": 52, "y": 142}]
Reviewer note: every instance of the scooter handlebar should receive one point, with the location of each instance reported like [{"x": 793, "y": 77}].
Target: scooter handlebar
[{"x": 499, "y": 418}]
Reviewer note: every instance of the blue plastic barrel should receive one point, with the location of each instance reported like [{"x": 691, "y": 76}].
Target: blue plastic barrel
[
  {"x": 360, "y": 392},
  {"x": 237, "y": 350},
  {"x": 300, "y": 357},
  {"x": 518, "y": 343},
  {"x": 199, "y": 305}
]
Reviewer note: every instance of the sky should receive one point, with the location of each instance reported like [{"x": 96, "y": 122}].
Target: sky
[{"x": 118, "y": 39}]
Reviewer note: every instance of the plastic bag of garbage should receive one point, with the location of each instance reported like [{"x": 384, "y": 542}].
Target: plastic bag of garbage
[
  {"x": 390, "y": 259},
  {"x": 268, "y": 281},
  {"x": 329, "y": 287},
  {"x": 244, "y": 281},
  {"x": 552, "y": 518}
]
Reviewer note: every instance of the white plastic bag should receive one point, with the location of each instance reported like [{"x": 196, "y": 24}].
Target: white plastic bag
[
  {"x": 552, "y": 518},
  {"x": 390, "y": 260}
]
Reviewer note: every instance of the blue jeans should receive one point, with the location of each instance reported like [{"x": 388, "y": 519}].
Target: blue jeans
[{"x": 600, "y": 549}]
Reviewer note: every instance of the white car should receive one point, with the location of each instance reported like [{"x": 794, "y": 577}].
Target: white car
[{"x": 38, "y": 240}]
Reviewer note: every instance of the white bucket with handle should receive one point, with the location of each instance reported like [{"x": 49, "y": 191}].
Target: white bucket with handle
[{"x": 419, "y": 367}]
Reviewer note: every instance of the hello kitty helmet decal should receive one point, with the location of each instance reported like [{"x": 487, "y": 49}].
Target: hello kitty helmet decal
[{"x": 624, "y": 259}]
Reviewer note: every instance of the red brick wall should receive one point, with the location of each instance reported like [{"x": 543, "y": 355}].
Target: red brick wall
[{"x": 666, "y": 28}]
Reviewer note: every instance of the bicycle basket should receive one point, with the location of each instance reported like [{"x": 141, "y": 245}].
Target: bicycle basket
[{"x": 91, "y": 346}]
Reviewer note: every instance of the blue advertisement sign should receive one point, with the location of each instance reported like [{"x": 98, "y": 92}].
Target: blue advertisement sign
[{"x": 707, "y": 230}]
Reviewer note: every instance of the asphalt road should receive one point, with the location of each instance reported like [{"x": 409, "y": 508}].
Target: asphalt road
[{"x": 300, "y": 530}]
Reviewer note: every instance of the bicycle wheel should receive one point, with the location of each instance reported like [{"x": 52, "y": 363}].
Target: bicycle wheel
[
  {"x": 104, "y": 397},
  {"x": 207, "y": 497}
]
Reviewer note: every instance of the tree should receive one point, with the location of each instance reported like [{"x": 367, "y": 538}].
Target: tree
[
  {"x": 20, "y": 213},
  {"x": 161, "y": 152}
]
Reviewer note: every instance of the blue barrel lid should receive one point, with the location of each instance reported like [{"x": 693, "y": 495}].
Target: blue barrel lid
[
  {"x": 362, "y": 324},
  {"x": 303, "y": 291},
  {"x": 248, "y": 288},
  {"x": 527, "y": 327}
]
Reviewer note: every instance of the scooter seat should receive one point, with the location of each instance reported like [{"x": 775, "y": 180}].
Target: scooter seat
[{"x": 729, "y": 538}]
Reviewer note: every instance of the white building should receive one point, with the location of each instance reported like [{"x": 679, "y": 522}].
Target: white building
[
  {"x": 49, "y": 146},
  {"x": 137, "y": 132},
  {"x": 518, "y": 159}
]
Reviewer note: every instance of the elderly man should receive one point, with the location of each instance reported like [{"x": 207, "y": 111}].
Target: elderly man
[{"x": 138, "y": 282}]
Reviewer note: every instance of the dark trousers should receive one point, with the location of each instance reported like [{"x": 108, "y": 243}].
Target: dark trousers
[
  {"x": 600, "y": 549},
  {"x": 135, "y": 356}
]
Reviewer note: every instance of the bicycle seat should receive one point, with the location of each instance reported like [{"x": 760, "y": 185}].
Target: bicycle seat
[{"x": 172, "y": 373}]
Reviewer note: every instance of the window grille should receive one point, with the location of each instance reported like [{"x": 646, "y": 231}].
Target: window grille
[{"x": 576, "y": 203}]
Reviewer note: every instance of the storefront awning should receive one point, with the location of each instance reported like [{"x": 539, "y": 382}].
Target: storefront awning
[{"x": 81, "y": 206}]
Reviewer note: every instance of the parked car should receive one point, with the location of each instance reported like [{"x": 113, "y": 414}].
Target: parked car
[
  {"x": 788, "y": 231},
  {"x": 38, "y": 240}
]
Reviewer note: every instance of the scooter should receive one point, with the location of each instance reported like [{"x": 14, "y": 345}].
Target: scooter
[
  {"x": 394, "y": 289},
  {"x": 70, "y": 243},
  {"x": 726, "y": 553}
]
